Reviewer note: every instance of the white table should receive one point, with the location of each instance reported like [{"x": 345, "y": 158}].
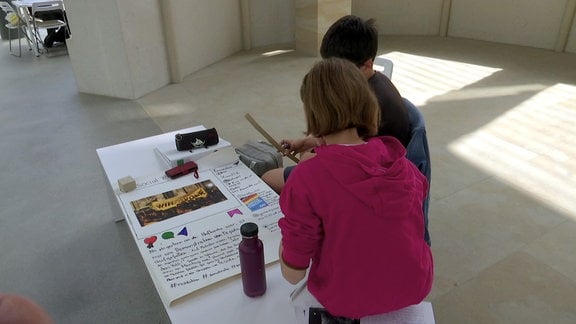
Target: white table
[{"x": 223, "y": 302}]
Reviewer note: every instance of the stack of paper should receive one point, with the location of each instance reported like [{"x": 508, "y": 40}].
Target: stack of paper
[{"x": 168, "y": 153}]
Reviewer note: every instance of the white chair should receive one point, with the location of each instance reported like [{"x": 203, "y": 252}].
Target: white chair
[
  {"x": 27, "y": 26},
  {"x": 384, "y": 65},
  {"x": 7, "y": 8},
  {"x": 44, "y": 6}
]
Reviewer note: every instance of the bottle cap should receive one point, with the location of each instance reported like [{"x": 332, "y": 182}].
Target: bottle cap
[{"x": 249, "y": 229}]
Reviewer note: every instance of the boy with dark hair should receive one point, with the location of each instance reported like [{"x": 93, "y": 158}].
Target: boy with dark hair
[{"x": 356, "y": 40}]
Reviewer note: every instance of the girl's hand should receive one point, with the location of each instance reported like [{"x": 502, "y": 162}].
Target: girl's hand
[{"x": 299, "y": 145}]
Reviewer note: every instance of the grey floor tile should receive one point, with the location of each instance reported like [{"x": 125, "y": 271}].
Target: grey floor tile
[
  {"x": 557, "y": 248},
  {"x": 519, "y": 289}
]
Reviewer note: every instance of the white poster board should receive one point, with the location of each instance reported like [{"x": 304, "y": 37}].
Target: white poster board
[{"x": 188, "y": 229}]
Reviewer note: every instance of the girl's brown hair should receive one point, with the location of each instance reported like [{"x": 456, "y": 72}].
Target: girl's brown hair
[{"x": 336, "y": 96}]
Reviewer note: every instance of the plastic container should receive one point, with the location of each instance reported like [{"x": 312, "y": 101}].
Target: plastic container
[{"x": 252, "y": 266}]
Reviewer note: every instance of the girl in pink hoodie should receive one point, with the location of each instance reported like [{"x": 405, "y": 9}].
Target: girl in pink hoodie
[{"x": 353, "y": 213}]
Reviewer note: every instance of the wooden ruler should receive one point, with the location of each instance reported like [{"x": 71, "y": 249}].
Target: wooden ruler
[{"x": 269, "y": 138}]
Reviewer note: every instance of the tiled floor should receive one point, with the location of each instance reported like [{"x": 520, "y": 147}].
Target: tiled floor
[{"x": 500, "y": 124}]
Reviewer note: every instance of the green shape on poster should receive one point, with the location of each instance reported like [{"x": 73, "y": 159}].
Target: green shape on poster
[{"x": 167, "y": 235}]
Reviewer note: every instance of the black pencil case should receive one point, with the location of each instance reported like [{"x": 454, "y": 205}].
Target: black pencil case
[{"x": 193, "y": 140}]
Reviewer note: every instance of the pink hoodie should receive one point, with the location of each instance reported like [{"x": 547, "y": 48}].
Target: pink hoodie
[{"x": 356, "y": 213}]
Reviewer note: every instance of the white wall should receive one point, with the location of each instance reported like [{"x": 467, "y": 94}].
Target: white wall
[
  {"x": 523, "y": 22},
  {"x": 536, "y": 23},
  {"x": 571, "y": 45},
  {"x": 127, "y": 48},
  {"x": 117, "y": 47},
  {"x": 204, "y": 32},
  {"x": 208, "y": 31},
  {"x": 272, "y": 22},
  {"x": 407, "y": 17},
  {"x": 141, "y": 23}
]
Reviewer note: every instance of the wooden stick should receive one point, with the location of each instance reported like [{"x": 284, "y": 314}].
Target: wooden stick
[{"x": 269, "y": 138}]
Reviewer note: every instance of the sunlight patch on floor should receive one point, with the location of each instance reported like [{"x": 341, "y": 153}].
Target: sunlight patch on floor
[
  {"x": 531, "y": 147},
  {"x": 420, "y": 78},
  {"x": 491, "y": 92},
  {"x": 276, "y": 52}
]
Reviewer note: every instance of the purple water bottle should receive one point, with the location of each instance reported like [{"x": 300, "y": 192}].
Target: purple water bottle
[{"x": 252, "y": 261}]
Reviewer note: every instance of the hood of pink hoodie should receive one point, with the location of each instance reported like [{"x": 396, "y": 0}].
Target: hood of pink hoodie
[{"x": 368, "y": 171}]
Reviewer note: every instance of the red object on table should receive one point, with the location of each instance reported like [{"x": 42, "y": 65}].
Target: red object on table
[{"x": 183, "y": 169}]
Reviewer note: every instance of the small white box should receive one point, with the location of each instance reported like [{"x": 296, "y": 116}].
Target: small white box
[{"x": 127, "y": 184}]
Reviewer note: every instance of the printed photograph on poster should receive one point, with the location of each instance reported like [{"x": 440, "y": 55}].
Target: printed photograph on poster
[
  {"x": 176, "y": 202},
  {"x": 254, "y": 202},
  {"x": 181, "y": 201}
]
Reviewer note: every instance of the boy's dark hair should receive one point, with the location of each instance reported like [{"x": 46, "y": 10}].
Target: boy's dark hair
[{"x": 351, "y": 38}]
